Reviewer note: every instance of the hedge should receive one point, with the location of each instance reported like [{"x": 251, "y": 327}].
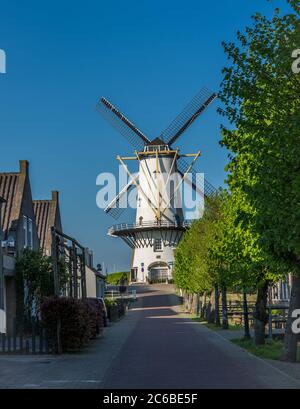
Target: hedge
[
  {"x": 116, "y": 308},
  {"x": 80, "y": 320}
]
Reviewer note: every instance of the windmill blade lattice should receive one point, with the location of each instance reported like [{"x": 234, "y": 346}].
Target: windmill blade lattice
[
  {"x": 195, "y": 108},
  {"x": 114, "y": 208},
  {"x": 182, "y": 166},
  {"x": 125, "y": 127}
]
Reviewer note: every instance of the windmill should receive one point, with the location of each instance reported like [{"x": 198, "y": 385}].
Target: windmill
[{"x": 159, "y": 222}]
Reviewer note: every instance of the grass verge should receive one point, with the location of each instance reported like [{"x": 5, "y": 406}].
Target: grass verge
[
  {"x": 214, "y": 327},
  {"x": 271, "y": 350}
]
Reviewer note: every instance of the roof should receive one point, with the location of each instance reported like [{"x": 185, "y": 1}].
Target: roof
[
  {"x": 42, "y": 210},
  {"x": 46, "y": 217},
  {"x": 11, "y": 190},
  {"x": 157, "y": 141}
]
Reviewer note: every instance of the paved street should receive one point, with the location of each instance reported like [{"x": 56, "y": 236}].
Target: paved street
[{"x": 154, "y": 346}]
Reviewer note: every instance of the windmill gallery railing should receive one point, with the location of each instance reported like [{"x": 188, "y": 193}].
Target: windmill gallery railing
[{"x": 163, "y": 224}]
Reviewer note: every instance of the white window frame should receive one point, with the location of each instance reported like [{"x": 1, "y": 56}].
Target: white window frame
[
  {"x": 156, "y": 247},
  {"x": 28, "y": 232},
  {"x": 25, "y": 232}
]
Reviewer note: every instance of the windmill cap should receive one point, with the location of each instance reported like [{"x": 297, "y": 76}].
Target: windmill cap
[{"x": 157, "y": 141}]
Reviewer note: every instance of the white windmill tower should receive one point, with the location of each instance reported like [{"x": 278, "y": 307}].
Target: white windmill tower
[{"x": 159, "y": 222}]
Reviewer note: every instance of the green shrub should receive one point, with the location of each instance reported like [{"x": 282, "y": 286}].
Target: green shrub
[{"x": 110, "y": 301}]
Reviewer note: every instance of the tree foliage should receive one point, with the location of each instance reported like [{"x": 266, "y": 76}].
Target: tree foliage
[
  {"x": 261, "y": 96},
  {"x": 262, "y": 100},
  {"x": 35, "y": 280}
]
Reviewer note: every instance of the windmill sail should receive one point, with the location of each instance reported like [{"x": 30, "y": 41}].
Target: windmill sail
[
  {"x": 195, "y": 108},
  {"x": 182, "y": 167},
  {"x": 114, "y": 208},
  {"x": 126, "y": 128}
]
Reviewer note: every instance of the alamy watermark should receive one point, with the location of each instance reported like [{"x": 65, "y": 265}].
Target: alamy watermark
[
  {"x": 296, "y": 322},
  {"x": 296, "y": 62},
  {"x": 158, "y": 190},
  {"x": 2, "y": 62}
]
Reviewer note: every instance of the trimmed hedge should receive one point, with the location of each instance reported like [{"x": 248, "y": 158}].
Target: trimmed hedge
[
  {"x": 95, "y": 311},
  {"x": 80, "y": 320},
  {"x": 115, "y": 308}
]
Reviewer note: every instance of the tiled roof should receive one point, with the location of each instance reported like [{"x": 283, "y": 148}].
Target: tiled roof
[
  {"x": 11, "y": 190},
  {"x": 47, "y": 215},
  {"x": 43, "y": 220}
]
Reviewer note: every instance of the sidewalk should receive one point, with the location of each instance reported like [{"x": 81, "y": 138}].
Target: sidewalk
[
  {"x": 290, "y": 369},
  {"x": 153, "y": 346},
  {"x": 69, "y": 371}
]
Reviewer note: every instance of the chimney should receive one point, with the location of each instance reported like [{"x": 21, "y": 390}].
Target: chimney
[
  {"x": 24, "y": 167},
  {"x": 55, "y": 195}
]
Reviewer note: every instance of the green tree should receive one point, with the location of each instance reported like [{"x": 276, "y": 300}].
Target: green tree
[
  {"x": 262, "y": 102},
  {"x": 243, "y": 264},
  {"x": 195, "y": 267},
  {"x": 34, "y": 277}
]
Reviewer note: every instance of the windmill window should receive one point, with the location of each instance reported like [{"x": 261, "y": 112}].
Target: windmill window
[{"x": 157, "y": 245}]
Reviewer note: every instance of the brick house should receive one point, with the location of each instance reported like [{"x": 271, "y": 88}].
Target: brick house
[
  {"x": 19, "y": 230},
  {"x": 47, "y": 215}
]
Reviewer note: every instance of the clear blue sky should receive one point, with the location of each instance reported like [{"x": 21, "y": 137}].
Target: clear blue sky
[{"x": 148, "y": 57}]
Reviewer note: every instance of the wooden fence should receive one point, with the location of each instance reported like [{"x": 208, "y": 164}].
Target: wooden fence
[{"x": 25, "y": 339}]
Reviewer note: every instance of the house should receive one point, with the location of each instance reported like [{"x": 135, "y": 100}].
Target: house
[
  {"x": 47, "y": 215},
  {"x": 95, "y": 280},
  {"x": 19, "y": 231},
  {"x": 280, "y": 292}
]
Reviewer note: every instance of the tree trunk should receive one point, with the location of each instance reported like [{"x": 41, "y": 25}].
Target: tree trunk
[
  {"x": 209, "y": 313},
  {"x": 260, "y": 315},
  {"x": 198, "y": 306},
  {"x": 224, "y": 309},
  {"x": 289, "y": 352},
  {"x": 194, "y": 304},
  {"x": 217, "y": 306},
  {"x": 246, "y": 317},
  {"x": 204, "y": 306},
  {"x": 189, "y": 303}
]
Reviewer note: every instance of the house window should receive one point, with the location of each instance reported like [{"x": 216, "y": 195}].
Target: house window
[
  {"x": 25, "y": 232},
  {"x": 157, "y": 245},
  {"x": 30, "y": 237},
  {"x": 27, "y": 229}
]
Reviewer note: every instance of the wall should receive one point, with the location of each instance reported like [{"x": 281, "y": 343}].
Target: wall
[{"x": 90, "y": 282}]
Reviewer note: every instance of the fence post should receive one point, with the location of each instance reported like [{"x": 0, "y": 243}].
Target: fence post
[
  {"x": 270, "y": 323},
  {"x": 246, "y": 316},
  {"x": 8, "y": 343},
  {"x": 33, "y": 336},
  {"x": 15, "y": 335},
  {"x": 21, "y": 339},
  {"x": 46, "y": 341},
  {"x": 3, "y": 342},
  {"x": 59, "y": 346},
  {"x": 27, "y": 347},
  {"x": 41, "y": 340}
]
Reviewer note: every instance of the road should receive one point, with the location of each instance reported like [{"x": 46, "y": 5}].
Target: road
[
  {"x": 166, "y": 350},
  {"x": 154, "y": 346}
]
